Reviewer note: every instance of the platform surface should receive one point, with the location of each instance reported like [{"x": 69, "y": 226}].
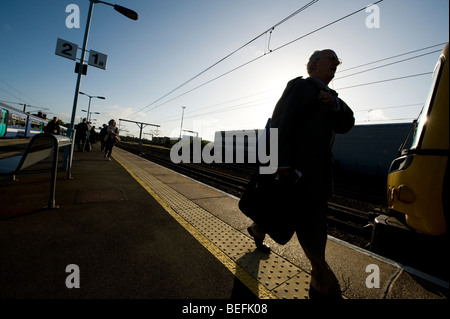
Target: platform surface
[{"x": 137, "y": 230}]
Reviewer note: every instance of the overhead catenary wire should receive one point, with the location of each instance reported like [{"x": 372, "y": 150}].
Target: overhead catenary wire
[
  {"x": 392, "y": 57},
  {"x": 389, "y": 107},
  {"x": 364, "y": 84},
  {"x": 230, "y": 54},
  {"x": 21, "y": 93},
  {"x": 242, "y": 105},
  {"x": 323, "y": 27},
  {"x": 259, "y": 57},
  {"x": 252, "y": 60},
  {"x": 385, "y": 65},
  {"x": 386, "y": 120},
  {"x": 386, "y": 80}
]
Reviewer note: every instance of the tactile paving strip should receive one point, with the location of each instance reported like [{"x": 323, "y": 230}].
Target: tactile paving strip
[
  {"x": 295, "y": 288},
  {"x": 282, "y": 278}
]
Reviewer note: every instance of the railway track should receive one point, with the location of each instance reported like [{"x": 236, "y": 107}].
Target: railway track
[
  {"x": 224, "y": 178},
  {"x": 348, "y": 223}
]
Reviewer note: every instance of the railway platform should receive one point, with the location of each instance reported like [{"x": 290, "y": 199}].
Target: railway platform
[{"x": 129, "y": 228}]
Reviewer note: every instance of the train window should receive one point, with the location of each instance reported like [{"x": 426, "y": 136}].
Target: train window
[
  {"x": 35, "y": 125},
  {"x": 423, "y": 117},
  {"x": 12, "y": 120},
  {"x": 17, "y": 120}
]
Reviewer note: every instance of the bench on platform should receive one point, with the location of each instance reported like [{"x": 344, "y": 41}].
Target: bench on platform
[{"x": 40, "y": 147}]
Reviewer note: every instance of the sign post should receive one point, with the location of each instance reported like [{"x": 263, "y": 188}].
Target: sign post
[{"x": 69, "y": 50}]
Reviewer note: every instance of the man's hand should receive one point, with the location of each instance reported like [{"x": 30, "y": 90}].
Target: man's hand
[{"x": 327, "y": 98}]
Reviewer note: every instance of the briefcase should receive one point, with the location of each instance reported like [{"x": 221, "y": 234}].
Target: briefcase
[{"x": 269, "y": 203}]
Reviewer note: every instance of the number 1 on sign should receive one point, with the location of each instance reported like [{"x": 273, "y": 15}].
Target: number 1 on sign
[{"x": 97, "y": 59}]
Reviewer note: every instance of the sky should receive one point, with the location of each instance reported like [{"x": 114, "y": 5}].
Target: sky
[{"x": 195, "y": 61}]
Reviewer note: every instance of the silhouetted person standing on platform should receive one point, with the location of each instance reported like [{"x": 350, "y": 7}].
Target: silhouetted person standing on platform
[
  {"x": 93, "y": 136},
  {"x": 82, "y": 134},
  {"x": 307, "y": 116},
  {"x": 101, "y": 136},
  {"x": 52, "y": 127}
]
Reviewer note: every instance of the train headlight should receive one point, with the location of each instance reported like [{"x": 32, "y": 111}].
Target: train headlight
[
  {"x": 405, "y": 194},
  {"x": 392, "y": 194},
  {"x": 401, "y": 193}
]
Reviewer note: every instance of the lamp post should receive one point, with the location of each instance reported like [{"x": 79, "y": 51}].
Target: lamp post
[
  {"x": 89, "y": 106},
  {"x": 193, "y": 132},
  {"x": 182, "y": 116},
  {"x": 88, "y": 117},
  {"x": 70, "y": 132}
]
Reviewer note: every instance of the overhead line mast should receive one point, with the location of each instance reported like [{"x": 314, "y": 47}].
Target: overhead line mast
[{"x": 141, "y": 126}]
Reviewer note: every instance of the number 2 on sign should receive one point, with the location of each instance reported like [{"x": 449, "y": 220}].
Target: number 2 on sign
[{"x": 69, "y": 49}]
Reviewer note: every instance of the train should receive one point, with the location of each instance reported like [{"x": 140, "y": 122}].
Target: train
[
  {"x": 418, "y": 178},
  {"x": 15, "y": 123}
]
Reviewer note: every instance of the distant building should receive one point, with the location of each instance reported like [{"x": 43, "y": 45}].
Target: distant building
[{"x": 160, "y": 140}]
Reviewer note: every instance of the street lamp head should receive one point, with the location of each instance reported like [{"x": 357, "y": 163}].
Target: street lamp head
[
  {"x": 90, "y": 97},
  {"x": 126, "y": 12}
]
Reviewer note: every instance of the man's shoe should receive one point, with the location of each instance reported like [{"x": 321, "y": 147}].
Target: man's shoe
[{"x": 258, "y": 241}]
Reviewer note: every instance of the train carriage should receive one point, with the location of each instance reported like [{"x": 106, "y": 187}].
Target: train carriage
[
  {"x": 13, "y": 122},
  {"x": 35, "y": 125},
  {"x": 418, "y": 179}
]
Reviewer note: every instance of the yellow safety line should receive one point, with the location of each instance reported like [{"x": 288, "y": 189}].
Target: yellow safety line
[{"x": 247, "y": 279}]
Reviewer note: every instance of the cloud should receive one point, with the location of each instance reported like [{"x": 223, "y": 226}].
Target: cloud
[
  {"x": 371, "y": 116},
  {"x": 377, "y": 115}
]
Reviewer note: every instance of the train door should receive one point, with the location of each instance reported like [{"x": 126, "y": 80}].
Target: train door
[{"x": 3, "y": 122}]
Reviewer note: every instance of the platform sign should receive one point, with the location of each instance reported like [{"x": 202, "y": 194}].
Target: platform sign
[
  {"x": 66, "y": 49},
  {"x": 97, "y": 59}
]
